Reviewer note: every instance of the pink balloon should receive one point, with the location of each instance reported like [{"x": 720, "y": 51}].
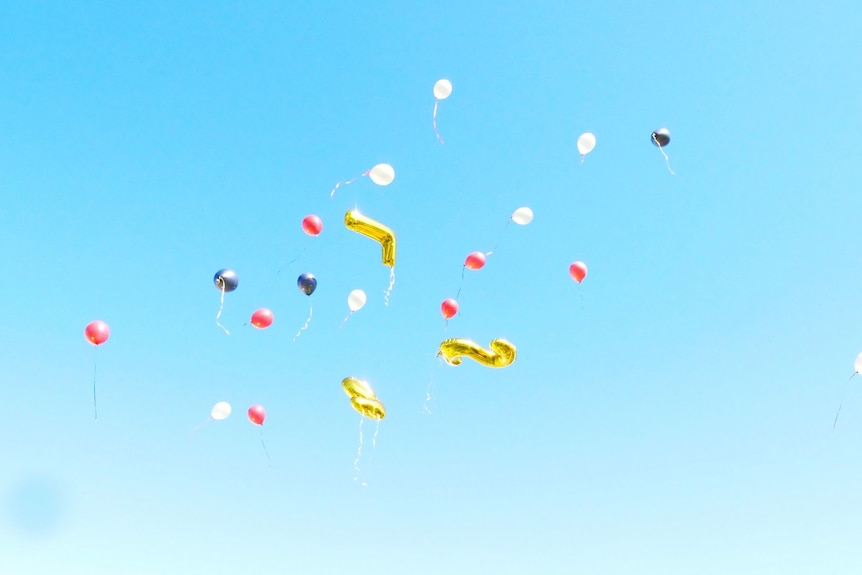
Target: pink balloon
[
  {"x": 97, "y": 332},
  {"x": 262, "y": 318},
  {"x": 312, "y": 225},
  {"x": 449, "y": 308},
  {"x": 475, "y": 261},
  {"x": 578, "y": 271},
  {"x": 256, "y": 414}
]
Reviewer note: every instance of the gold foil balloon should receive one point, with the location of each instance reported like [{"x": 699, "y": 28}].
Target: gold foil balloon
[
  {"x": 501, "y": 354},
  {"x": 369, "y": 407},
  {"x": 355, "y": 387},
  {"x": 375, "y": 230}
]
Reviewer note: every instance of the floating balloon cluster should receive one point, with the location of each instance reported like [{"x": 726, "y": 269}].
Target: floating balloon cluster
[{"x": 363, "y": 399}]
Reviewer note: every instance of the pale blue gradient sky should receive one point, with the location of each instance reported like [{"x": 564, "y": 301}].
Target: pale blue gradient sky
[{"x": 671, "y": 415}]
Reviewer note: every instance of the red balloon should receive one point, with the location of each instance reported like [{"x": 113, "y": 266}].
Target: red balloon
[
  {"x": 449, "y": 308},
  {"x": 97, "y": 332},
  {"x": 262, "y": 318},
  {"x": 256, "y": 414},
  {"x": 578, "y": 271},
  {"x": 475, "y": 261},
  {"x": 312, "y": 225}
]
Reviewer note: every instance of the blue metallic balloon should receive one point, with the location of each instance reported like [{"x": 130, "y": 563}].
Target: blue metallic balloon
[
  {"x": 226, "y": 280},
  {"x": 307, "y": 283}
]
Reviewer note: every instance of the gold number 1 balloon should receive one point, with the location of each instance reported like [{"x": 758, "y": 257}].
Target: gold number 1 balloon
[
  {"x": 502, "y": 352},
  {"x": 375, "y": 230}
]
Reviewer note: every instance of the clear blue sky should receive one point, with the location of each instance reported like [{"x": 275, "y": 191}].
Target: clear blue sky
[{"x": 671, "y": 415}]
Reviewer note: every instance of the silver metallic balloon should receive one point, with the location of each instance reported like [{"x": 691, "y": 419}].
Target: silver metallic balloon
[
  {"x": 226, "y": 280},
  {"x": 661, "y": 138}
]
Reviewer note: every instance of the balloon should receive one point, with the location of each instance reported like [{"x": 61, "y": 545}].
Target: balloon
[
  {"x": 374, "y": 230},
  {"x": 522, "y": 216},
  {"x": 475, "y": 261},
  {"x": 256, "y": 414},
  {"x": 307, "y": 283},
  {"x": 356, "y": 300},
  {"x": 355, "y": 387},
  {"x": 586, "y": 143},
  {"x": 382, "y": 174},
  {"x": 578, "y": 271},
  {"x": 369, "y": 407},
  {"x": 442, "y": 89},
  {"x": 502, "y": 352},
  {"x": 262, "y": 318},
  {"x": 226, "y": 280},
  {"x": 449, "y": 308},
  {"x": 661, "y": 138},
  {"x": 857, "y": 365},
  {"x": 312, "y": 225},
  {"x": 97, "y": 332},
  {"x": 221, "y": 410}
]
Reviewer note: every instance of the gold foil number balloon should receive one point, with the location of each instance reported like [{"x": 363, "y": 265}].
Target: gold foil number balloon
[{"x": 501, "y": 354}]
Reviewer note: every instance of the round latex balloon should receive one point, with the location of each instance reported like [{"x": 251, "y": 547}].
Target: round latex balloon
[
  {"x": 522, "y": 216},
  {"x": 382, "y": 174},
  {"x": 262, "y": 318},
  {"x": 355, "y": 387},
  {"x": 578, "y": 271},
  {"x": 442, "y": 89},
  {"x": 356, "y": 300},
  {"x": 307, "y": 283},
  {"x": 97, "y": 332},
  {"x": 586, "y": 143},
  {"x": 369, "y": 407},
  {"x": 226, "y": 280},
  {"x": 661, "y": 138},
  {"x": 857, "y": 366},
  {"x": 475, "y": 261},
  {"x": 256, "y": 414},
  {"x": 221, "y": 410},
  {"x": 449, "y": 308},
  {"x": 312, "y": 225}
]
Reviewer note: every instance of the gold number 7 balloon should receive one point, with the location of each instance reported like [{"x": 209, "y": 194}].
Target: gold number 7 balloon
[{"x": 361, "y": 224}]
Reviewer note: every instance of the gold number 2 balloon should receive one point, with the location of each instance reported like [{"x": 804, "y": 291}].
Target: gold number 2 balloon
[
  {"x": 375, "y": 230},
  {"x": 502, "y": 352}
]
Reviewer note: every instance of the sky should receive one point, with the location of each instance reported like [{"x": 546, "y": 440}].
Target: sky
[{"x": 671, "y": 414}]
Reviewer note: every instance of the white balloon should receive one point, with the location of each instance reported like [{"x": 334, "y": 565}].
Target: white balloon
[
  {"x": 356, "y": 300},
  {"x": 522, "y": 216},
  {"x": 382, "y": 174},
  {"x": 221, "y": 410},
  {"x": 586, "y": 143},
  {"x": 857, "y": 365},
  {"x": 442, "y": 89}
]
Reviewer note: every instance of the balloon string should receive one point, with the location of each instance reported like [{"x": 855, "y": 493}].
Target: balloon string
[
  {"x": 95, "y": 407},
  {"x": 434, "y": 121},
  {"x": 304, "y": 327},
  {"x": 347, "y": 183},
  {"x": 502, "y": 234},
  {"x": 391, "y": 284},
  {"x": 196, "y": 427},
  {"x": 302, "y": 251},
  {"x": 425, "y": 407},
  {"x": 358, "y": 452},
  {"x": 843, "y": 394},
  {"x": 666, "y": 160},
  {"x": 220, "y": 308},
  {"x": 583, "y": 157},
  {"x": 268, "y": 458},
  {"x": 344, "y": 321},
  {"x": 463, "y": 269},
  {"x": 376, "y": 431}
]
